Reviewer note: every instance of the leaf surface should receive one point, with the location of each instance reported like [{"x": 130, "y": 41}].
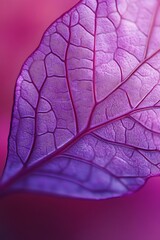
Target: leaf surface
[{"x": 86, "y": 117}]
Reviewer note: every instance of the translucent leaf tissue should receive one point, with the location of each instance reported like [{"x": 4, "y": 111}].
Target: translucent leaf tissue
[{"x": 86, "y": 115}]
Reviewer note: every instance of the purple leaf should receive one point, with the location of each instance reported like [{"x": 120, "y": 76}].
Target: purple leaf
[{"x": 86, "y": 119}]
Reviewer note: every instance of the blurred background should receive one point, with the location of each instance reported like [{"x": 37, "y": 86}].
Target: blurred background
[{"x": 32, "y": 216}]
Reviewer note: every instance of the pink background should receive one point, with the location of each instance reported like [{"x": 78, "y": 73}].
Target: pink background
[{"x": 30, "y": 216}]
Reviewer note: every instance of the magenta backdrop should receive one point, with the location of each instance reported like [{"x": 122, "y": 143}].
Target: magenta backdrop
[{"x": 30, "y": 216}]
